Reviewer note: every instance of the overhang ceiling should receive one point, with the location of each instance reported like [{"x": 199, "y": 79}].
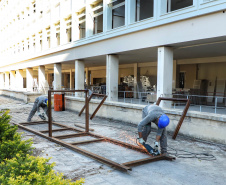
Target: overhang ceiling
[{"x": 195, "y": 49}]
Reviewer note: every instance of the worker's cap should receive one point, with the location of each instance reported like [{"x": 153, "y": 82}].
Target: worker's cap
[{"x": 163, "y": 121}]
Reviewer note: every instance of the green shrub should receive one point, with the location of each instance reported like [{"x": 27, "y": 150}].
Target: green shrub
[
  {"x": 17, "y": 166},
  {"x": 31, "y": 170},
  {"x": 11, "y": 142}
]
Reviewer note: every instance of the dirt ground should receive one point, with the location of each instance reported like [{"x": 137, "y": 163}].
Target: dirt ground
[{"x": 189, "y": 167}]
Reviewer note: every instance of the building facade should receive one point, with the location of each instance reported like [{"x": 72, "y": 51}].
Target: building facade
[{"x": 77, "y": 44}]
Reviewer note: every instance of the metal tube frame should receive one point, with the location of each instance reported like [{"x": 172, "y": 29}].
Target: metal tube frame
[
  {"x": 97, "y": 138},
  {"x": 98, "y": 107},
  {"x": 122, "y": 167},
  {"x": 64, "y": 91},
  {"x": 183, "y": 114}
]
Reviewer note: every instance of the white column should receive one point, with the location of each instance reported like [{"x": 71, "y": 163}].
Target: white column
[
  {"x": 1, "y": 80},
  {"x": 174, "y": 73},
  {"x": 71, "y": 80},
  {"x": 41, "y": 78},
  {"x": 131, "y": 11},
  {"x": 79, "y": 75},
  {"x": 89, "y": 20},
  {"x": 30, "y": 79},
  {"x": 19, "y": 79},
  {"x": 112, "y": 67},
  {"x": 135, "y": 66},
  {"x": 12, "y": 79},
  {"x": 107, "y": 16},
  {"x": 165, "y": 73},
  {"x": 87, "y": 77},
  {"x": 57, "y": 77},
  {"x": 7, "y": 80}
]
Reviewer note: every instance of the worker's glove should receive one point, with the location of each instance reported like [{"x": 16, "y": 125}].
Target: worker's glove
[
  {"x": 156, "y": 146},
  {"x": 141, "y": 140},
  {"x": 42, "y": 116}
]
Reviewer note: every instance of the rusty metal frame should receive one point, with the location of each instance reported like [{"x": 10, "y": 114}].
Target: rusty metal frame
[
  {"x": 123, "y": 167},
  {"x": 64, "y": 91},
  {"x": 98, "y": 107},
  {"x": 183, "y": 114},
  {"x": 80, "y": 133}
]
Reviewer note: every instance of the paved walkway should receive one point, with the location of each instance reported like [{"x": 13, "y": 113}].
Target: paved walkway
[{"x": 74, "y": 165}]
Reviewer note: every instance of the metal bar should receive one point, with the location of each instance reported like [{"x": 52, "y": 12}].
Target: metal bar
[
  {"x": 148, "y": 160},
  {"x": 83, "y": 127},
  {"x": 101, "y": 103},
  {"x": 50, "y": 113},
  {"x": 34, "y": 123},
  {"x": 181, "y": 119},
  {"x": 83, "y": 108},
  {"x": 77, "y": 149},
  {"x": 95, "y": 94},
  {"x": 55, "y": 130},
  {"x": 71, "y": 135},
  {"x": 84, "y": 142},
  {"x": 144, "y": 161},
  {"x": 87, "y": 112}
]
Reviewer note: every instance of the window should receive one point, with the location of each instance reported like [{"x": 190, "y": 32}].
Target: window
[
  {"x": 178, "y": 4},
  {"x": 144, "y": 9},
  {"x": 98, "y": 18},
  {"x": 82, "y": 24},
  {"x": 118, "y": 13}
]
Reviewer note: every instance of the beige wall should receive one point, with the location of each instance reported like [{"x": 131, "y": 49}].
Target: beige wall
[
  {"x": 98, "y": 74},
  {"x": 148, "y": 71},
  {"x": 211, "y": 71},
  {"x": 190, "y": 74},
  {"x": 125, "y": 72}
]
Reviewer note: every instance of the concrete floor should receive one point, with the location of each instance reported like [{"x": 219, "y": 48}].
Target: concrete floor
[{"x": 74, "y": 165}]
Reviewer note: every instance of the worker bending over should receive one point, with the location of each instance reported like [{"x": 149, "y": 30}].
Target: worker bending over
[
  {"x": 154, "y": 113},
  {"x": 40, "y": 101}
]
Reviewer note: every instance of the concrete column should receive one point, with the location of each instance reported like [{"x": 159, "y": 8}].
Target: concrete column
[
  {"x": 87, "y": 76},
  {"x": 1, "y": 80},
  {"x": 19, "y": 79},
  {"x": 135, "y": 67},
  {"x": 12, "y": 79},
  {"x": 79, "y": 75},
  {"x": 107, "y": 16},
  {"x": 131, "y": 11},
  {"x": 30, "y": 79},
  {"x": 112, "y": 67},
  {"x": 57, "y": 77},
  {"x": 71, "y": 80},
  {"x": 89, "y": 20},
  {"x": 7, "y": 80},
  {"x": 165, "y": 73},
  {"x": 41, "y": 78},
  {"x": 174, "y": 74}
]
